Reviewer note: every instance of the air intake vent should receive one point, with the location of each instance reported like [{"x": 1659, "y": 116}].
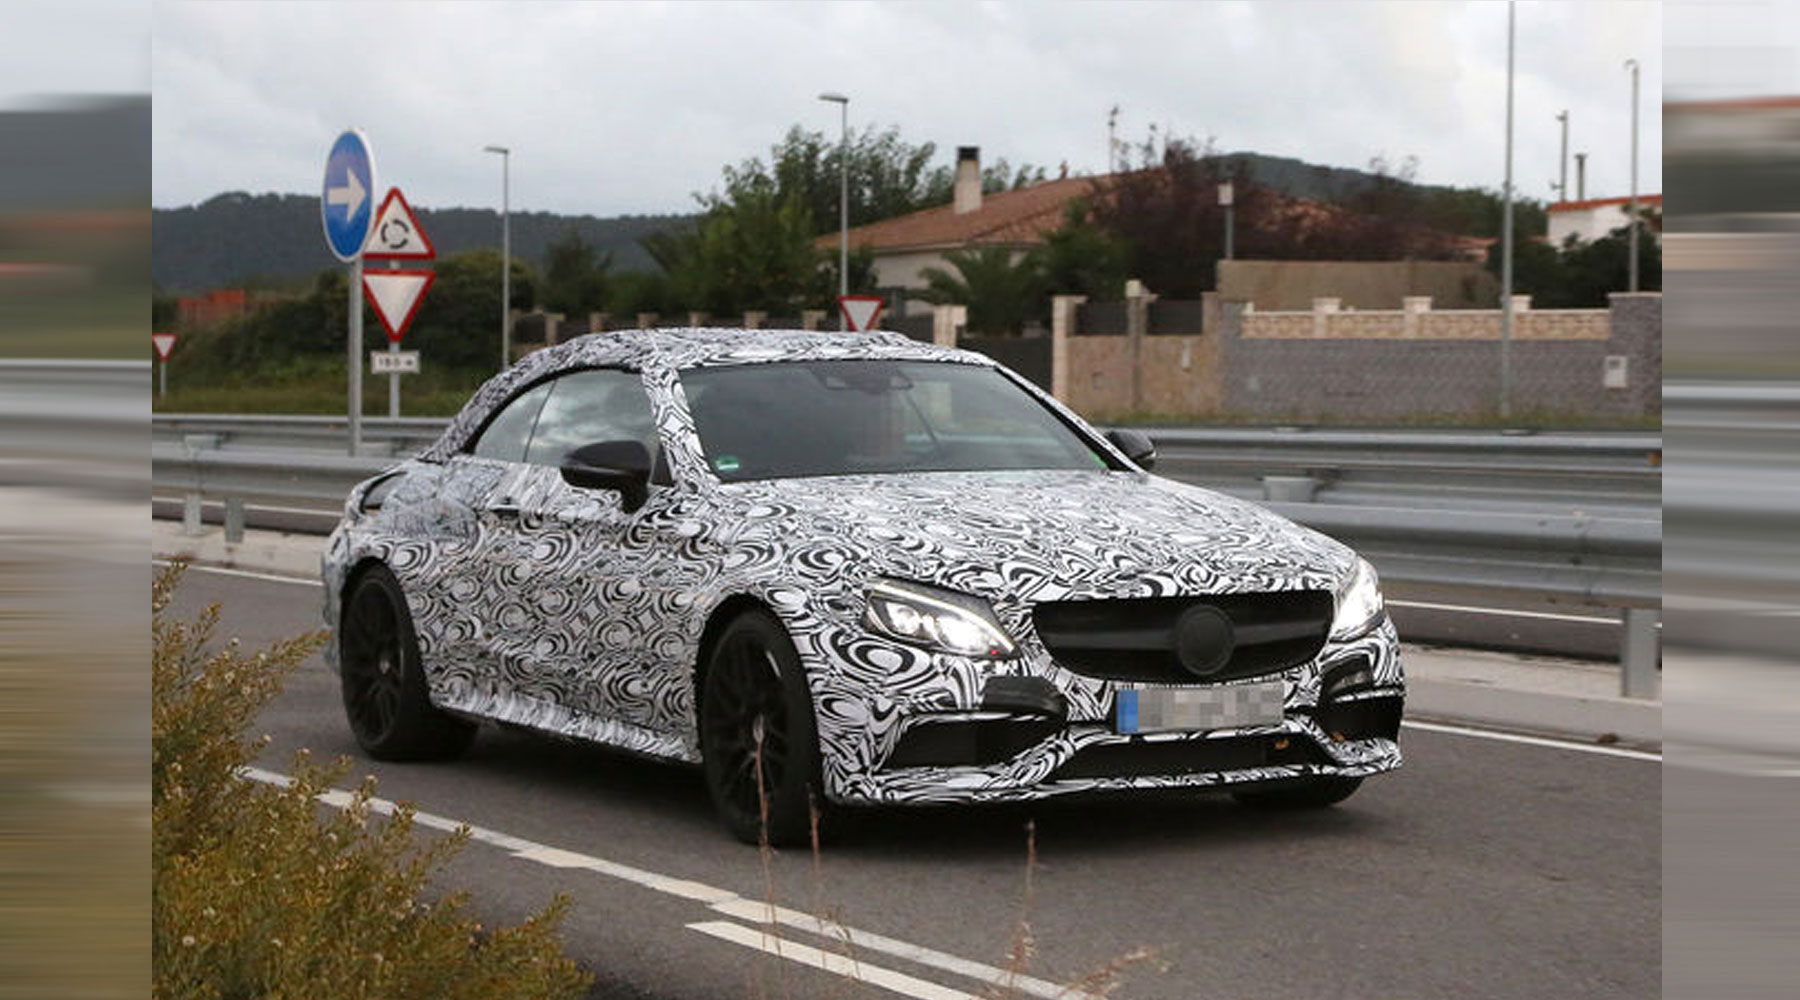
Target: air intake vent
[{"x": 1186, "y": 640}]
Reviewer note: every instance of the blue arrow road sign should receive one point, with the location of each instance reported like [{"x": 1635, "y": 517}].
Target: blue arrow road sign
[{"x": 347, "y": 204}]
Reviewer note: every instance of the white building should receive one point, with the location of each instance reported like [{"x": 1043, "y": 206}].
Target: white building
[{"x": 1590, "y": 220}]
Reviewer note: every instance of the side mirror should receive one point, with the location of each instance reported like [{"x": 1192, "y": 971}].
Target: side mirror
[
  {"x": 1135, "y": 444},
  {"x": 611, "y": 465}
]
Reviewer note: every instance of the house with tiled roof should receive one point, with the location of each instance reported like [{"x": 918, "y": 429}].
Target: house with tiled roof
[
  {"x": 906, "y": 245},
  {"x": 1593, "y": 218}
]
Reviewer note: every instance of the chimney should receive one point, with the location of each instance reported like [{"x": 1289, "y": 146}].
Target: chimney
[
  {"x": 968, "y": 179},
  {"x": 1580, "y": 177}
]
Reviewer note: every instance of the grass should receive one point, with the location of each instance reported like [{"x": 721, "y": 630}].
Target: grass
[{"x": 314, "y": 386}]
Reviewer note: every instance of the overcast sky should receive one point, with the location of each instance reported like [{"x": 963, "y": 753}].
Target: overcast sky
[{"x": 631, "y": 107}]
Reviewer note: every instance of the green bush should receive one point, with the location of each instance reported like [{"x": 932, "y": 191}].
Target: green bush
[{"x": 258, "y": 893}]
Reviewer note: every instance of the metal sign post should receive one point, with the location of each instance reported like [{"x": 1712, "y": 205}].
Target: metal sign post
[
  {"x": 164, "y": 343},
  {"x": 346, "y": 209}
]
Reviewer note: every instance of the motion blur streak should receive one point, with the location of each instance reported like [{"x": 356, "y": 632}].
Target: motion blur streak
[
  {"x": 74, "y": 552},
  {"x": 1732, "y": 510}
]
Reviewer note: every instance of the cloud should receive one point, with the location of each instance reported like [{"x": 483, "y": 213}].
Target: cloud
[{"x": 632, "y": 107}]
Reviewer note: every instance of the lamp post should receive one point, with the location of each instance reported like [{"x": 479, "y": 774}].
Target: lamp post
[
  {"x": 1225, "y": 199},
  {"x": 505, "y": 253},
  {"x": 843, "y": 104},
  {"x": 1506, "y": 237},
  {"x": 1632, "y": 64}
]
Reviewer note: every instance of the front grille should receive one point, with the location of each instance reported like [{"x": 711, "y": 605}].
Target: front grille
[
  {"x": 1136, "y": 639},
  {"x": 1177, "y": 758},
  {"x": 969, "y": 742}
]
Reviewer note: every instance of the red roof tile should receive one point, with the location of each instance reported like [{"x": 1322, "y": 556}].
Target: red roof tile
[
  {"x": 1022, "y": 217},
  {"x": 1582, "y": 206}
]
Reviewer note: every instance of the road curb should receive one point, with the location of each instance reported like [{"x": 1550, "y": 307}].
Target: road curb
[{"x": 1583, "y": 717}]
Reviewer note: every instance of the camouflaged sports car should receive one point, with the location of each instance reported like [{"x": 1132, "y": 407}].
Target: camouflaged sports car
[{"x": 847, "y": 569}]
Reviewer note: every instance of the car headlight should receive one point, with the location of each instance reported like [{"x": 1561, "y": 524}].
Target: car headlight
[
  {"x": 1359, "y": 604},
  {"x": 937, "y": 619}
]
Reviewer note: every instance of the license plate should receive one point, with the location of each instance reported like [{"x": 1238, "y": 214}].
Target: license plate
[{"x": 1161, "y": 710}]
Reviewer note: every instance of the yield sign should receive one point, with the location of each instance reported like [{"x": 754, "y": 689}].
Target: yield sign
[
  {"x": 862, "y": 311},
  {"x": 396, "y": 296},
  {"x": 397, "y": 232},
  {"x": 164, "y": 343}
]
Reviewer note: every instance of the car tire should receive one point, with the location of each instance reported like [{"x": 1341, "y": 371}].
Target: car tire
[
  {"x": 1300, "y": 793},
  {"x": 385, "y": 698},
  {"x": 758, "y": 737}
]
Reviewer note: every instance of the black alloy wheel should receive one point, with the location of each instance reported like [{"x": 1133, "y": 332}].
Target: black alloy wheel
[
  {"x": 384, "y": 692},
  {"x": 757, "y": 734}
]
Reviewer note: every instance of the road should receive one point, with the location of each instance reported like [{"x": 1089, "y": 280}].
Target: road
[{"x": 1485, "y": 868}]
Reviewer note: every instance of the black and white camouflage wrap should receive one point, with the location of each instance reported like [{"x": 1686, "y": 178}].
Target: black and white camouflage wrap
[{"x": 579, "y": 619}]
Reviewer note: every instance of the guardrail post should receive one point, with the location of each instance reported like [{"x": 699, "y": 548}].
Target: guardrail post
[
  {"x": 190, "y": 514},
  {"x": 234, "y": 520},
  {"x": 1640, "y": 665}
]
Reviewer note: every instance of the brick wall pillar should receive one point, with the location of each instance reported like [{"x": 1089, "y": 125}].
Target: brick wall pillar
[
  {"x": 1137, "y": 326},
  {"x": 1413, "y": 307},
  {"x": 812, "y": 319},
  {"x": 947, "y": 323},
  {"x": 597, "y": 322},
  {"x": 647, "y": 320},
  {"x": 1324, "y": 307},
  {"x": 696, "y": 318},
  {"x": 755, "y": 319},
  {"x": 1063, "y": 324}
]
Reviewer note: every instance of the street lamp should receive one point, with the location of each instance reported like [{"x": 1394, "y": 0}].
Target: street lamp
[
  {"x": 1506, "y": 237},
  {"x": 1632, "y": 64},
  {"x": 843, "y": 104},
  {"x": 505, "y": 253},
  {"x": 1225, "y": 199}
]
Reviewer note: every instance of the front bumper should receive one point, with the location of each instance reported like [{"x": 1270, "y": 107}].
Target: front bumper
[{"x": 943, "y": 742}]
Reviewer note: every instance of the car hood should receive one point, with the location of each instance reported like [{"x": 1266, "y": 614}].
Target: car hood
[{"x": 1036, "y": 536}]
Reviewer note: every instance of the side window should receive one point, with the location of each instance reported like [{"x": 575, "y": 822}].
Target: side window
[
  {"x": 505, "y": 436},
  {"x": 601, "y": 404}
]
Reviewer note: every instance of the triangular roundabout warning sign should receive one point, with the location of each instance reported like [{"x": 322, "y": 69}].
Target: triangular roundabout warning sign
[
  {"x": 397, "y": 233},
  {"x": 396, "y": 296}
]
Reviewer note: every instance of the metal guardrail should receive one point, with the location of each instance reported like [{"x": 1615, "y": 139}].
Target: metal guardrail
[
  {"x": 1568, "y": 556},
  {"x": 1618, "y": 472}
]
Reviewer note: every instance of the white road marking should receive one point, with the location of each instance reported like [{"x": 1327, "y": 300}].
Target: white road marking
[
  {"x": 763, "y": 914},
  {"x": 1536, "y": 741},
  {"x": 730, "y": 903},
  {"x": 841, "y": 965},
  {"x": 247, "y": 574},
  {"x": 1505, "y": 612}
]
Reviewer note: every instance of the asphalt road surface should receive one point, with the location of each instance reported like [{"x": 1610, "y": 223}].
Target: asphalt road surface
[{"x": 1485, "y": 868}]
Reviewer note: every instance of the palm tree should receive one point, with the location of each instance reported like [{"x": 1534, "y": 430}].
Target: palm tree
[{"x": 1002, "y": 293}]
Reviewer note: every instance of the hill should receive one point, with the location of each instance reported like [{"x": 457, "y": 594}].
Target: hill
[{"x": 274, "y": 241}]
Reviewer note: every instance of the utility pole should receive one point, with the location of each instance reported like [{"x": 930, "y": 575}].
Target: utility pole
[
  {"x": 1632, "y": 64},
  {"x": 843, "y": 104},
  {"x": 1506, "y": 236},
  {"x": 505, "y": 253},
  {"x": 1562, "y": 161}
]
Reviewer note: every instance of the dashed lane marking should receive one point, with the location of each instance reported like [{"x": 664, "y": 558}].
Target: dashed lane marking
[{"x": 730, "y": 903}]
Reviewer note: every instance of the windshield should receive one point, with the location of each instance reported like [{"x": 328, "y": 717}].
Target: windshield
[{"x": 834, "y": 418}]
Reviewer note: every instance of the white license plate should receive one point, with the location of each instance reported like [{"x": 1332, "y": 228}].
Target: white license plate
[{"x": 1161, "y": 710}]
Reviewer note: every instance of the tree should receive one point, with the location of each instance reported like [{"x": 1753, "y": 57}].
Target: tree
[
  {"x": 1166, "y": 214},
  {"x": 1002, "y": 292},
  {"x": 458, "y": 325},
  {"x": 1581, "y": 274},
  {"x": 1080, "y": 258},
  {"x": 575, "y": 277},
  {"x": 888, "y": 176}
]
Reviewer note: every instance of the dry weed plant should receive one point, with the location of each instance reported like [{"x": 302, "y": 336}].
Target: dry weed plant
[{"x": 255, "y": 894}]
